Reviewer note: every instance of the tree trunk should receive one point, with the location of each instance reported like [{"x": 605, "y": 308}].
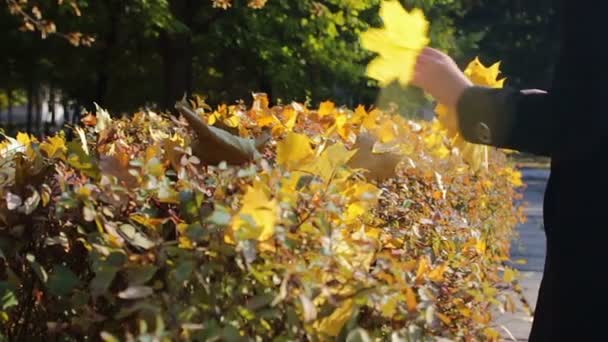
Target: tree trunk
[
  {"x": 38, "y": 98},
  {"x": 9, "y": 111},
  {"x": 51, "y": 125},
  {"x": 105, "y": 55},
  {"x": 30, "y": 104},
  {"x": 177, "y": 55}
]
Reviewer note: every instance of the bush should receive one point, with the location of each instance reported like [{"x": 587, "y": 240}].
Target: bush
[{"x": 123, "y": 233}]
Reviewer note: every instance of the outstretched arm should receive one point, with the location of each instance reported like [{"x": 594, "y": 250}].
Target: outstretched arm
[{"x": 506, "y": 118}]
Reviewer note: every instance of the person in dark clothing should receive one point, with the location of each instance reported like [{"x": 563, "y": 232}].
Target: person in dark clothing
[{"x": 569, "y": 123}]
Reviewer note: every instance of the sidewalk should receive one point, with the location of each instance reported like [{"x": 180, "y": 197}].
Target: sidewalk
[{"x": 531, "y": 247}]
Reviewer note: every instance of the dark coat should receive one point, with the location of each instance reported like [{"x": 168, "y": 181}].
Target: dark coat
[{"x": 570, "y": 124}]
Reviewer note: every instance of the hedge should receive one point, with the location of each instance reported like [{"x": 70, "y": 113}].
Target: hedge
[{"x": 325, "y": 224}]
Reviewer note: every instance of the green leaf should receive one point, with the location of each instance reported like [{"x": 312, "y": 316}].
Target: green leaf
[
  {"x": 62, "y": 281},
  {"x": 183, "y": 271},
  {"x": 38, "y": 269},
  {"x": 7, "y": 296},
  {"x": 220, "y": 216},
  {"x": 139, "y": 275},
  {"x": 104, "y": 276},
  {"x": 82, "y": 161}
]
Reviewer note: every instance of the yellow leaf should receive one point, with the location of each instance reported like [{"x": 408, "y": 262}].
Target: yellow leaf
[
  {"x": 445, "y": 319},
  {"x": 423, "y": 267},
  {"x": 173, "y": 148},
  {"x": 386, "y": 131},
  {"x": 257, "y": 217},
  {"x": 404, "y": 35},
  {"x": 509, "y": 275},
  {"x": 480, "y": 246},
  {"x": 513, "y": 176},
  {"x": 369, "y": 121},
  {"x": 54, "y": 147},
  {"x": 290, "y": 115},
  {"x": 437, "y": 273},
  {"x": 332, "y": 158},
  {"x": 232, "y": 121},
  {"x": 293, "y": 149},
  {"x": 326, "y": 108},
  {"x": 268, "y": 119},
  {"x": 25, "y": 139},
  {"x": 333, "y": 324},
  {"x": 410, "y": 299},
  {"x": 389, "y": 308}
]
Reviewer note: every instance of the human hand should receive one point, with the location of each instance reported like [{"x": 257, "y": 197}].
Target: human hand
[{"x": 438, "y": 75}]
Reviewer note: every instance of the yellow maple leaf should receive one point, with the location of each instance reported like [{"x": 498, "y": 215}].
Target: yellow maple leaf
[
  {"x": 326, "y": 108},
  {"x": 398, "y": 44},
  {"x": 293, "y": 149},
  {"x": 330, "y": 160},
  {"x": 257, "y": 217},
  {"x": 54, "y": 147}
]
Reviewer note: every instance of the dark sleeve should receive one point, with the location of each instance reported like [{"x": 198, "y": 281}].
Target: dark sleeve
[{"x": 506, "y": 118}]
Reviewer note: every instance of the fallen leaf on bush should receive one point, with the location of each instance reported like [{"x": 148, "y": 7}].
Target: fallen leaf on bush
[
  {"x": 214, "y": 145},
  {"x": 333, "y": 324},
  {"x": 378, "y": 166}
]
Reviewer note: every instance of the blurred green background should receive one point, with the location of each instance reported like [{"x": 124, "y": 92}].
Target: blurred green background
[{"x": 148, "y": 53}]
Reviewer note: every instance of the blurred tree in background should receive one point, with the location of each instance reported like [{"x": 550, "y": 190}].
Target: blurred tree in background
[{"x": 128, "y": 54}]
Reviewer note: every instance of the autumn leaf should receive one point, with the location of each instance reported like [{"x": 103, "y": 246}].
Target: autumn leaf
[
  {"x": 257, "y": 217},
  {"x": 377, "y": 166},
  {"x": 103, "y": 119},
  {"x": 333, "y": 324},
  {"x": 214, "y": 145},
  {"x": 330, "y": 161},
  {"x": 326, "y": 108},
  {"x": 293, "y": 149},
  {"x": 404, "y": 35},
  {"x": 54, "y": 147}
]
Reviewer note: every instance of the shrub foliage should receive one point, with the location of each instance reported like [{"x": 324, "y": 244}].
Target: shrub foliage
[{"x": 349, "y": 224}]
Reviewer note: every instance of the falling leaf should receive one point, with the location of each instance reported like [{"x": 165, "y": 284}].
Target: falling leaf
[
  {"x": 398, "y": 43},
  {"x": 293, "y": 149},
  {"x": 257, "y": 217}
]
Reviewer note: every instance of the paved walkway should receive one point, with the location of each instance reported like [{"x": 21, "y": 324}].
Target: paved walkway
[{"x": 531, "y": 247}]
